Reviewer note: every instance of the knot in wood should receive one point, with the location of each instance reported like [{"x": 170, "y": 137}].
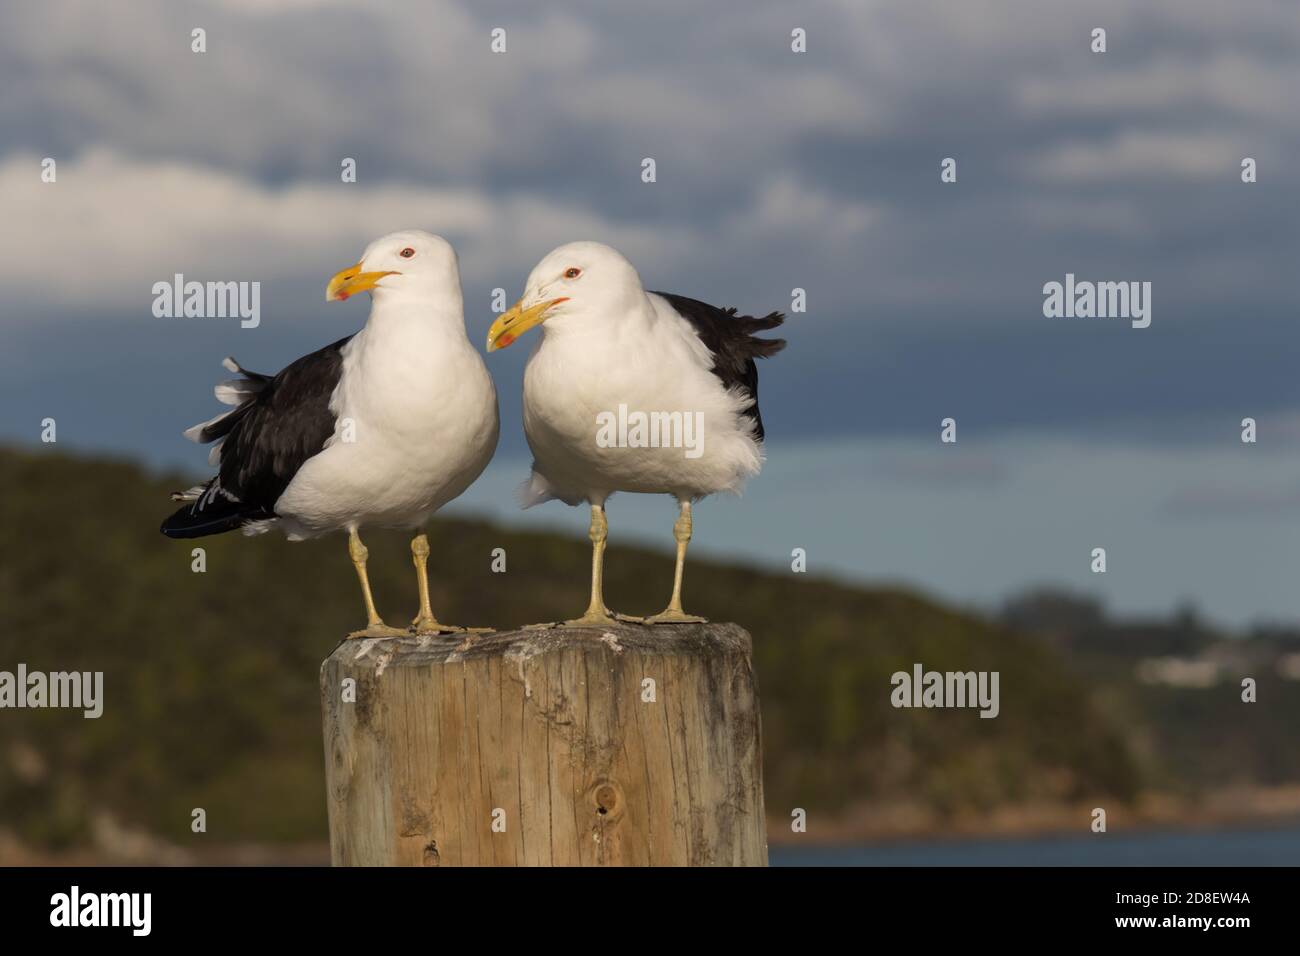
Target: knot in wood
[{"x": 608, "y": 799}]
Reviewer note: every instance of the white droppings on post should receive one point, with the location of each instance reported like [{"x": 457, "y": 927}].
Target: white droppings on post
[{"x": 521, "y": 653}]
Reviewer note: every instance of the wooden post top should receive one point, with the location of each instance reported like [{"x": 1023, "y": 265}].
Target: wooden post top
[
  {"x": 625, "y": 745},
  {"x": 684, "y": 640}
]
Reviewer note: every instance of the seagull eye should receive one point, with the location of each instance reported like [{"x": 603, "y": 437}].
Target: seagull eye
[
  {"x": 408, "y": 252},
  {"x": 572, "y": 272}
]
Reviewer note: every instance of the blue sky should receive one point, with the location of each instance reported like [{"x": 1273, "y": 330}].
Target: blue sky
[{"x": 776, "y": 170}]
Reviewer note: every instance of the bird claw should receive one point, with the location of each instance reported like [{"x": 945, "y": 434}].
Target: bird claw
[
  {"x": 379, "y": 629},
  {"x": 428, "y": 625},
  {"x": 599, "y": 617},
  {"x": 672, "y": 616}
]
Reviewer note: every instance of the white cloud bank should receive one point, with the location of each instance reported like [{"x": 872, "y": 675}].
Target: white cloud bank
[{"x": 110, "y": 226}]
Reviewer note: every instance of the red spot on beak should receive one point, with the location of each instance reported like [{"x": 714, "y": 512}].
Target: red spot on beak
[
  {"x": 343, "y": 296},
  {"x": 505, "y": 340}
]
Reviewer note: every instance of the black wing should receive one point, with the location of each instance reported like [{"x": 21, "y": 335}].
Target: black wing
[
  {"x": 281, "y": 422},
  {"x": 731, "y": 339}
]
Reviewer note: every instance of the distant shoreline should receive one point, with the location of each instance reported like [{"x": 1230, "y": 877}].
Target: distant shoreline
[
  {"x": 1245, "y": 808},
  {"x": 1228, "y": 808}
]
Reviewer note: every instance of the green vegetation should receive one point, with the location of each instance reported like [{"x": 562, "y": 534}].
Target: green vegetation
[
  {"x": 211, "y": 695},
  {"x": 1177, "y": 683}
]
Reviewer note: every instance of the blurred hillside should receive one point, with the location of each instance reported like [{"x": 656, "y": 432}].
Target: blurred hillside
[
  {"x": 1178, "y": 684},
  {"x": 211, "y": 695}
]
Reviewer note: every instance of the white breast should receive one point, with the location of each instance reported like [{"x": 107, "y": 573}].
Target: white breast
[
  {"x": 416, "y": 425},
  {"x": 575, "y": 382}
]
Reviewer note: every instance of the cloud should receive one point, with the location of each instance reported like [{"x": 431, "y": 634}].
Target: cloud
[
  {"x": 1239, "y": 500},
  {"x": 1112, "y": 218},
  {"x": 1141, "y": 153},
  {"x": 1225, "y": 83},
  {"x": 789, "y": 208},
  {"x": 110, "y": 226},
  {"x": 775, "y": 171},
  {"x": 943, "y": 468}
]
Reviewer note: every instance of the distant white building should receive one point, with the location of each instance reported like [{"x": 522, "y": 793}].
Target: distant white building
[
  {"x": 1179, "y": 671},
  {"x": 1288, "y": 666}
]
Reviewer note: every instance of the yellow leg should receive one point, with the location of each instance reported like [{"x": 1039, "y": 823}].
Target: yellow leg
[
  {"x": 375, "y": 626},
  {"x": 597, "y": 614},
  {"x": 425, "y": 622},
  {"x": 673, "y": 614}
]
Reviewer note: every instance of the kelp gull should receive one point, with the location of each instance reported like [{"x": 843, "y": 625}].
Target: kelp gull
[
  {"x": 379, "y": 429},
  {"x": 607, "y": 346}
]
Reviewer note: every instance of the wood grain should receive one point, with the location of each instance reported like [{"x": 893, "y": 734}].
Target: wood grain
[{"x": 546, "y": 733}]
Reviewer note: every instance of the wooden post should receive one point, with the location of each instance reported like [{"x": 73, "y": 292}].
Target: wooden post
[{"x": 633, "y": 745}]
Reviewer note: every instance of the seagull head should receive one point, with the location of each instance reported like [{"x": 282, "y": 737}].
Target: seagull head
[
  {"x": 408, "y": 264},
  {"x": 574, "y": 284}
]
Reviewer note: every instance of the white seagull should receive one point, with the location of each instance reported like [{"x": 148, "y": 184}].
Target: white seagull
[
  {"x": 629, "y": 390},
  {"x": 379, "y": 429}
]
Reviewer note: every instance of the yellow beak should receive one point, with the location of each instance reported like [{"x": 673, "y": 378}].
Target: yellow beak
[
  {"x": 350, "y": 281},
  {"x": 517, "y": 321}
]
